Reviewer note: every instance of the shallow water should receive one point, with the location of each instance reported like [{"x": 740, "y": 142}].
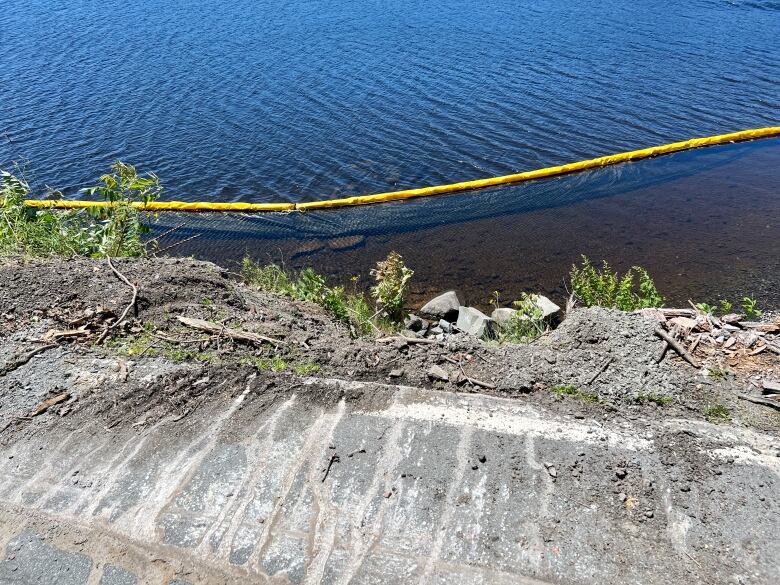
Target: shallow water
[{"x": 262, "y": 100}]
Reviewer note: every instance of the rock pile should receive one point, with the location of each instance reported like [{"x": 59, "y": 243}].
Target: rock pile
[{"x": 447, "y": 313}]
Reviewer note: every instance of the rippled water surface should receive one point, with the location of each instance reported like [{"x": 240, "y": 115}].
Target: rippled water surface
[{"x": 264, "y": 100}]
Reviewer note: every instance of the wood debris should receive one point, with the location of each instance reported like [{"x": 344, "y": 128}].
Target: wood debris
[{"x": 234, "y": 334}]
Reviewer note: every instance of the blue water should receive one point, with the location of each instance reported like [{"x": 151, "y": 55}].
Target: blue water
[{"x": 265, "y": 100}]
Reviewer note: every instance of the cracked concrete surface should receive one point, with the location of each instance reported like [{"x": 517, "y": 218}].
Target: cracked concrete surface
[{"x": 372, "y": 483}]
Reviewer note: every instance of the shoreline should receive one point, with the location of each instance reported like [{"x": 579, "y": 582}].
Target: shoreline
[{"x": 167, "y": 435}]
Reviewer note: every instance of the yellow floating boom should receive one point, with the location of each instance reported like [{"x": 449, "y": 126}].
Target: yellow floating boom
[{"x": 544, "y": 173}]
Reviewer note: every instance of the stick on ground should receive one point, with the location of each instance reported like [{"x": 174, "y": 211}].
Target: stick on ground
[
  {"x": 132, "y": 305},
  {"x": 677, "y": 347},
  {"x": 235, "y": 334}
]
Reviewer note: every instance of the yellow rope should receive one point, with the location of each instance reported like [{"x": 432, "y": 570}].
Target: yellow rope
[{"x": 593, "y": 163}]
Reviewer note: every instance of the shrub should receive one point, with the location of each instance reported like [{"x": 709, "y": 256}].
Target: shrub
[
  {"x": 350, "y": 308},
  {"x": 749, "y": 307},
  {"x": 116, "y": 230},
  {"x": 526, "y": 324},
  {"x": 392, "y": 279},
  {"x": 605, "y": 288}
]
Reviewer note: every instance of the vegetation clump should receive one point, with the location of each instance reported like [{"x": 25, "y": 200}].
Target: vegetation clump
[
  {"x": 392, "y": 278},
  {"x": 392, "y": 282},
  {"x": 716, "y": 413},
  {"x": 605, "y": 288},
  {"x": 526, "y": 324},
  {"x": 574, "y": 392},
  {"x": 115, "y": 230},
  {"x": 654, "y": 398},
  {"x": 749, "y": 307}
]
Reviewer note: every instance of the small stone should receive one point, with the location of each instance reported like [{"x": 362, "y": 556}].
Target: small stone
[
  {"x": 435, "y": 330},
  {"x": 622, "y": 497},
  {"x": 482, "y": 458},
  {"x": 621, "y": 473},
  {"x": 445, "y": 326},
  {"x": 396, "y": 373},
  {"x": 438, "y": 373},
  {"x": 475, "y": 467},
  {"x": 388, "y": 493},
  {"x": 649, "y": 513}
]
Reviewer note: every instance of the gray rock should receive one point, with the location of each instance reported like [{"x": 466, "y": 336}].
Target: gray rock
[
  {"x": 476, "y": 323},
  {"x": 415, "y": 323},
  {"x": 435, "y": 330},
  {"x": 396, "y": 373},
  {"x": 502, "y": 315},
  {"x": 438, "y": 373},
  {"x": 445, "y": 326},
  {"x": 546, "y": 305},
  {"x": 445, "y": 306}
]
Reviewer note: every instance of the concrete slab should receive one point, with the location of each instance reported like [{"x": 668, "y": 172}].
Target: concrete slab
[{"x": 420, "y": 486}]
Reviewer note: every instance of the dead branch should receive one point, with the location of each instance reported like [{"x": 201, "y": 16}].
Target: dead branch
[
  {"x": 132, "y": 305},
  {"x": 47, "y": 404},
  {"x": 600, "y": 371},
  {"x": 677, "y": 347},
  {"x": 762, "y": 401},
  {"x": 235, "y": 334},
  {"x": 406, "y": 339},
  {"x": 466, "y": 378}
]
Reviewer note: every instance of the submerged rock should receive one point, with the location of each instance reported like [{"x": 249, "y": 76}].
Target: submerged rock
[
  {"x": 445, "y": 306},
  {"x": 476, "y": 323}
]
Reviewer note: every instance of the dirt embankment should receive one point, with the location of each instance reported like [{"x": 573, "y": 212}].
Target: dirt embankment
[{"x": 602, "y": 424}]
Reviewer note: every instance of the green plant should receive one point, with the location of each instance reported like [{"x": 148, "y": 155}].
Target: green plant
[
  {"x": 350, "y": 308},
  {"x": 574, "y": 392},
  {"x": 716, "y": 373},
  {"x": 716, "y": 413},
  {"x": 749, "y": 307},
  {"x": 605, "y": 288},
  {"x": 122, "y": 229},
  {"x": 392, "y": 280},
  {"x": 306, "y": 368},
  {"x": 658, "y": 399},
  {"x": 116, "y": 230},
  {"x": 724, "y": 307},
  {"x": 565, "y": 389},
  {"x": 275, "y": 364},
  {"x": 526, "y": 323}
]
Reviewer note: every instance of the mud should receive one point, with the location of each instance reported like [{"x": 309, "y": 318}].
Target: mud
[{"x": 197, "y": 462}]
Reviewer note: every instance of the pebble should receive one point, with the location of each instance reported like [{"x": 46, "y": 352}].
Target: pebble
[
  {"x": 621, "y": 473},
  {"x": 649, "y": 513}
]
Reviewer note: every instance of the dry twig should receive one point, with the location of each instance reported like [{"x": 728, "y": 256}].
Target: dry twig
[
  {"x": 235, "y": 334},
  {"x": 677, "y": 347}
]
